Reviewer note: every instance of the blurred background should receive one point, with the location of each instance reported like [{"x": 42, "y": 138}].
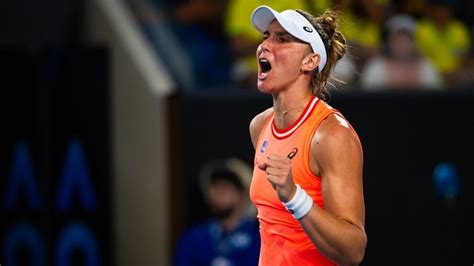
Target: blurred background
[{"x": 111, "y": 109}]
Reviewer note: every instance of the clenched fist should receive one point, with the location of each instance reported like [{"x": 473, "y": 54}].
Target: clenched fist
[{"x": 278, "y": 169}]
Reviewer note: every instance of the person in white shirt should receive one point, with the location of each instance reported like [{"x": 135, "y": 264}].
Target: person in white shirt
[{"x": 400, "y": 66}]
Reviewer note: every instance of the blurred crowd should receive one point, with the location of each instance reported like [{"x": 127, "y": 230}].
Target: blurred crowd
[{"x": 393, "y": 44}]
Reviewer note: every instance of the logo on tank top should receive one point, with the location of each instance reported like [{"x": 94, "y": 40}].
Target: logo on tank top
[
  {"x": 264, "y": 146},
  {"x": 292, "y": 153}
]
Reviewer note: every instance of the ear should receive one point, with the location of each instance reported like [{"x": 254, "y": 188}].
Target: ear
[{"x": 310, "y": 62}]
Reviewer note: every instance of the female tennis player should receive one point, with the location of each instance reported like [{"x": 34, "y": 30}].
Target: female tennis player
[{"x": 307, "y": 182}]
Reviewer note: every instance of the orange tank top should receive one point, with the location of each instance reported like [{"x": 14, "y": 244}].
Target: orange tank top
[{"x": 283, "y": 240}]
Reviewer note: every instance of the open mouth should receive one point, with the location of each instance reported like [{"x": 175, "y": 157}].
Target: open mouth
[{"x": 265, "y": 65}]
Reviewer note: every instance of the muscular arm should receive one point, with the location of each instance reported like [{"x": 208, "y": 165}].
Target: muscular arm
[{"x": 338, "y": 229}]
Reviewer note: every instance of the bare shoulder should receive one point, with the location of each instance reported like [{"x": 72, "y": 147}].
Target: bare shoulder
[
  {"x": 335, "y": 141},
  {"x": 257, "y": 124},
  {"x": 335, "y": 128}
]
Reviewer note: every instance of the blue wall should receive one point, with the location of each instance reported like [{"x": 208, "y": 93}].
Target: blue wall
[{"x": 54, "y": 158}]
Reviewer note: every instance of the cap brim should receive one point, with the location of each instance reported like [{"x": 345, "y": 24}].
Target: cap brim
[{"x": 263, "y": 16}]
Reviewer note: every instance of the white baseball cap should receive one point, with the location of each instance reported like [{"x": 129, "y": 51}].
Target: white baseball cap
[
  {"x": 295, "y": 24},
  {"x": 401, "y": 22}
]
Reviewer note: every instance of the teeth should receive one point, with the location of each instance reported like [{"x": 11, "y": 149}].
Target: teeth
[{"x": 263, "y": 60}]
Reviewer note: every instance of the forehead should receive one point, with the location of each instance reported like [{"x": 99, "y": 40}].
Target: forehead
[
  {"x": 275, "y": 26},
  {"x": 276, "y": 29}
]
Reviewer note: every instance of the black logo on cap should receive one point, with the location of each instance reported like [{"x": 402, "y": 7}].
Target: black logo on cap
[{"x": 308, "y": 29}]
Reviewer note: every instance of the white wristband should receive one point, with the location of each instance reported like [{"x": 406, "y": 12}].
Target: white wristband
[{"x": 300, "y": 204}]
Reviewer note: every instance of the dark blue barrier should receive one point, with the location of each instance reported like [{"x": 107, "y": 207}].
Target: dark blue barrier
[
  {"x": 55, "y": 182},
  {"x": 418, "y": 172}
]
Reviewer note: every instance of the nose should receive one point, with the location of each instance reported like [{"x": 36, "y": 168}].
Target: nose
[{"x": 263, "y": 47}]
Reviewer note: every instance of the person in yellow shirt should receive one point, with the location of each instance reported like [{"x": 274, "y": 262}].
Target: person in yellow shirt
[
  {"x": 361, "y": 20},
  {"x": 361, "y": 23},
  {"x": 442, "y": 38}
]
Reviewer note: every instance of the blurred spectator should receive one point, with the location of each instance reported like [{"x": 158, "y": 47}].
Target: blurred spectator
[
  {"x": 360, "y": 24},
  {"x": 231, "y": 236},
  {"x": 400, "y": 66},
  {"x": 345, "y": 70},
  {"x": 443, "y": 39},
  {"x": 361, "y": 21},
  {"x": 415, "y": 9},
  {"x": 463, "y": 78}
]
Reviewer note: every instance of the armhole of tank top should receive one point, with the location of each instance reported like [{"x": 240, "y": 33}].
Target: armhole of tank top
[
  {"x": 265, "y": 126},
  {"x": 350, "y": 125},
  {"x": 309, "y": 140}
]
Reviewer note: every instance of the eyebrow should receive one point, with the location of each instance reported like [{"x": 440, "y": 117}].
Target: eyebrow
[
  {"x": 284, "y": 34},
  {"x": 279, "y": 33}
]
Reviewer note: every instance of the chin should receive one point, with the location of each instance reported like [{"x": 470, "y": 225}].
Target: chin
[{"x": 264, "y": 87}]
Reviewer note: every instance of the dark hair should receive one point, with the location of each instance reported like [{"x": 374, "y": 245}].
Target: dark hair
[
  {"x": 442, "y": 2},
  {"x": 334, "y": 42},
  {"x": 227, "y": 175}
]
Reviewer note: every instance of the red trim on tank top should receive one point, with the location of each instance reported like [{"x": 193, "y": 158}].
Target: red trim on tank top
[{"x": 286, "y": 132}]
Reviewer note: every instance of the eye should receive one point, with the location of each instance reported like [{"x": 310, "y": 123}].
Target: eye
[
  {"x": 283, "y": 39},
  {"x": 265, "y": 36}
]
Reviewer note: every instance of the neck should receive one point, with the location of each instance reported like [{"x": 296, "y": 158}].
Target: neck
[
  {"x": 289, "y": 104},
  {"x": 441, "y": 24},
  {"x": 232, "y": 221}
]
